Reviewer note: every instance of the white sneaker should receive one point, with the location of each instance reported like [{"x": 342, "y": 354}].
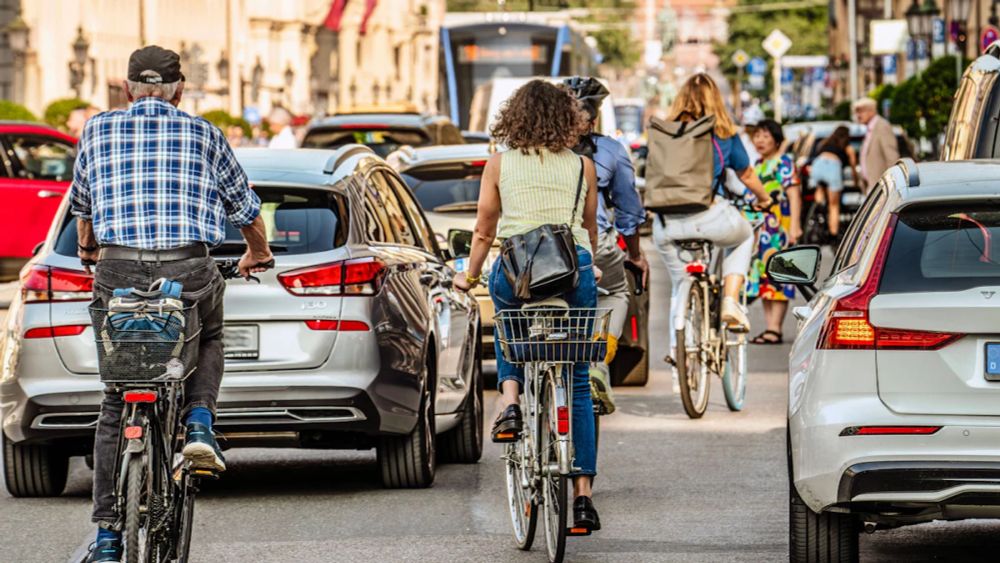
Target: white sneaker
[{"x": 734, "y": 316}]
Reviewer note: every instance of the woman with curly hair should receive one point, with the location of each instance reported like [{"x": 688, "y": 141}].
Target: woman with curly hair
[{"x": 536, "y": 182}]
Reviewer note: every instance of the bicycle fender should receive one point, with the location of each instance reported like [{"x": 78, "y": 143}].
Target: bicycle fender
[
  {"x": 683, "y": 293},
  {"x": 136, "y": 445}
]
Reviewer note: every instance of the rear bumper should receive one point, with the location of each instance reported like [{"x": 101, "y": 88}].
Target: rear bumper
[{"x": 919, "y": 481}]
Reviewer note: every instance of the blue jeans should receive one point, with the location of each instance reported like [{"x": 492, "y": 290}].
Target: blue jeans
[{"x": 584, "y": 296}]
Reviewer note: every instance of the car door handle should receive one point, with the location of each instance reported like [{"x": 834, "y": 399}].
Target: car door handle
[
  {"x": 802, "y": 313},
  {"x": 49, "y": 193}
]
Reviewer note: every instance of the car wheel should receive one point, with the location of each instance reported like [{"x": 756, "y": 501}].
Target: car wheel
[
  {"x": 827, "y": 537},
  {"x": 464, "y": 444},
  {"x": 33, "y": 470},
  {"x": 408, "y": 462}
]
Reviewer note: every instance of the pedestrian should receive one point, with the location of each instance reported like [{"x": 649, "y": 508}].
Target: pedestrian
[
  {"x": 616, "y": 186},
  {"x": 880, "y": 150},
  {"x": 180, "y": 172},
  {"x": 282, "y": 133},
  {"x": 781, "y": 226},
  {"x": 826, "y": 174},
  {"x": 78, "y": 119},
  {"x": 234, "y": 134},
  {"x": 540, "y": 181}
]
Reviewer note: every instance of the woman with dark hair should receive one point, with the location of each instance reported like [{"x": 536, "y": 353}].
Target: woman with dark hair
[
  {"x": 782, "y": 226},
  {"x": 827, "y": 173},
  {"x": 537, "y": 182}
]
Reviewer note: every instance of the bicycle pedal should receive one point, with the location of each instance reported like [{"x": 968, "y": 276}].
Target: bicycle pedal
[
  {"x": 578, "y": 531},
  {"x": 205, "y": 473},
  {"x": 504, "y": 437}
]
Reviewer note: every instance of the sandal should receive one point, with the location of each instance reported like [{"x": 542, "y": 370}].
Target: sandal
[
  {"x": 762, "y": 338},
  {"x": 508, "y": 425}
]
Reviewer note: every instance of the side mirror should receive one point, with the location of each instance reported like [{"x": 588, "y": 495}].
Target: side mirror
[
  {"x": 795, "y": 266},
  {"x": 38, "y": 248},
  {"x": 459, "y": 243}
]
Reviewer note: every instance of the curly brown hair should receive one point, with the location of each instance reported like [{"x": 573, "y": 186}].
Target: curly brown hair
[{"x": 540, "y": 115}]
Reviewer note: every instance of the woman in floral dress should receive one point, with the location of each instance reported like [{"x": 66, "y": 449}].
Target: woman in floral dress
[{"x": 781, "y": 228}]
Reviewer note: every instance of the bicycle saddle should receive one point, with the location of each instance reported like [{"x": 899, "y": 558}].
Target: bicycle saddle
[
  {"x": 693, "y": 243},
  {"x": 550, "y": 303}
]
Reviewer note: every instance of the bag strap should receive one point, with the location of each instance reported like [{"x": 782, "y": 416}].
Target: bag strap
[
  {"x": 576, "y": 201},
  {"x": 720, "y": 184}
]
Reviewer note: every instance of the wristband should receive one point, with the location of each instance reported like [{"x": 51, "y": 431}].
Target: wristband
[
  {"x": 473, "y": 280},
  {"x": 88, "y": 248}
]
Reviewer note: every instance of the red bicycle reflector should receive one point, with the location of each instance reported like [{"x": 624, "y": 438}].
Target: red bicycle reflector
[
  {"x": 54, "y": 331},
  {"x": 343, "y": 326},
  {"x": 889, "y": 430},
  {"x": 562, "y": 420},
  {"x": 133, "y": 432},
  {"x": 695, "y": 268},
  {"x": 635, "y": 329},
  {"x": 139, "y": 396}
]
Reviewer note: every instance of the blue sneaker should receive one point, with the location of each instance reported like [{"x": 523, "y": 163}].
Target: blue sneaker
[
  {"x": 105, "y": 551},
  {"x": 201, "y": 449}
]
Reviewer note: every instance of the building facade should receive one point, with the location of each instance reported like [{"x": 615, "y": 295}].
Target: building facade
[{"x": 310, "y": 56}]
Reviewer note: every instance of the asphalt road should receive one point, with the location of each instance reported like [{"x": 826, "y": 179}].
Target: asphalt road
[{"x": 669, "y": 489}]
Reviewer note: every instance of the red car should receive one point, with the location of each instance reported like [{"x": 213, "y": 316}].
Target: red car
[{"x": 36, "y": 167}]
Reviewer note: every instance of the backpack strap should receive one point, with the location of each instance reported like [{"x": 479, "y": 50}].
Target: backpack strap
[{"x": 719, "y": 182}]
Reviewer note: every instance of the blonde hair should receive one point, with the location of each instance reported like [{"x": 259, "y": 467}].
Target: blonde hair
[{"x": 700, "y": 97}]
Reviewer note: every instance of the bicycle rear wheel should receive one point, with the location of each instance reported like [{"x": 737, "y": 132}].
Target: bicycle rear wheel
[
  {"x": 136, "y": 537},
  {"x": 520, "y": 499},
  {"x": 692, "y": 372},
  {"x": 554, "y": 485},
  {"x": 734, "y": 376}
]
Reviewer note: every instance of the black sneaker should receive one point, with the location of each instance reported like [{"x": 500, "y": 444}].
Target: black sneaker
[
  {"x": 201, "y": 449},
  {"x": 508, "y": 426},
  {"x": 107, "y": 551},
  {"x": 585, "y": 515}
]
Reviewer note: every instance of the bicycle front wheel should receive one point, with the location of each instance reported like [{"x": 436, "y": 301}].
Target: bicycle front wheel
[
  {"x": 554, "y": 484},
  {"x": 521, "y": 500},
  {"x": 692, "y": 372},
  {"x": 734, "y": 376},
  {"x": 185, "y": 519}
]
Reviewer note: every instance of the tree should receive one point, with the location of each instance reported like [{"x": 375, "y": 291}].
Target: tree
[
  {"x": 937, "y": 88},
  {"x": 751, "y": 22},
  {"x": 15, "y": 112},
  {"x": 619, "y": 49},
  {"x": 906, "y": 108},
  {"x": 222, "y": 120},
  {"x": 57, "y": 113}
]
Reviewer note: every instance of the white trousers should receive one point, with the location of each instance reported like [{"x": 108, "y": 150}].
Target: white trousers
[{"x": 722, "y": 224}]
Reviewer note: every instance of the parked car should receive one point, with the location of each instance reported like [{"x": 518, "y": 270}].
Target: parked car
[
  {"x": 446, "y": 181},
  {"x": 383, "y": 129},
  {"x": 973, "y": 125},
  {"x": 354, "y": 340},
  {"x": 894, "y": 379},
  {"x": 36, "y": 167}
]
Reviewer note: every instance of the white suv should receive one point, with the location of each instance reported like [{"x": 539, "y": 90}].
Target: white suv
[{"x": 894, "y": 379}]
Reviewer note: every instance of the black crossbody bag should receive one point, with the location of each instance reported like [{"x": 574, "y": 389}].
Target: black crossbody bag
[{"x": 542, "y": 263}]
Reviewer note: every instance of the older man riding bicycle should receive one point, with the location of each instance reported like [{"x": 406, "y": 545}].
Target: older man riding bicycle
[{"x": 152, "y": 189}]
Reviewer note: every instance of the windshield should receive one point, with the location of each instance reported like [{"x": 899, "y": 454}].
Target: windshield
[
  {"x": 382, "y": 141},
  {"x": 446, "y": 187},
  {"x": 629, "y": 119},
  {"x": 943, "y": 248},
  {"x": 297, "y": 221}
]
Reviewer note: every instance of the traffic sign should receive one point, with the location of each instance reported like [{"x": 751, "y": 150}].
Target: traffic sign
[
  {"x": 741, "y": 58},
  {"x": 990, "y": 34},
  {"x": 757, "y": 66},
  {"x": 777, "y": 44}
]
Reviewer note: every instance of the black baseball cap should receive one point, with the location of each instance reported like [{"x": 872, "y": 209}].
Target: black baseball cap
[{"x": 154, "y": 65}]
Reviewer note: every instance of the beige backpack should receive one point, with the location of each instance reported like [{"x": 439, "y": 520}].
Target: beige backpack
[{"x": 680, "y": 168}]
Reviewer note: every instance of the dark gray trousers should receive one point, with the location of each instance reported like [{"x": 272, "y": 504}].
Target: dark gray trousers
[{"x": 204, "y": 286}]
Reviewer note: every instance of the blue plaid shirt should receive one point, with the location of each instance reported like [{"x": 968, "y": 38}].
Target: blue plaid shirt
[{"x": 154, "y": 177}]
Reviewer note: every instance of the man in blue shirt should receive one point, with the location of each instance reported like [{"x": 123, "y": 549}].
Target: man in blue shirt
[
  {"x": 152, "y": 190},
  {"x": 619, "y": 212}
]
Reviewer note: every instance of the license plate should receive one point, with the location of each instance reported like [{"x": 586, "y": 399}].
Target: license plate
[
  {"x": 993, "y": 361},
  {"x": 241, "y": 342}
]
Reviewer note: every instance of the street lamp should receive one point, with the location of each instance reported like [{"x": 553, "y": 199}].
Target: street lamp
[
  {"x": 17, "y": 37},
  {"x": 289, "y": 80},
  {"x": 223, "y": 67},
  {"x": 78, "y": 66},
  {"x": 256, "y": 77}
]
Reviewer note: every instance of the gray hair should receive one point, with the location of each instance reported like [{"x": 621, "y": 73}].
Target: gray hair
[
  {"x": 866, "y": 103},
  {"x": 280, "y": 116},
  {"x": 141, "y": 90}
]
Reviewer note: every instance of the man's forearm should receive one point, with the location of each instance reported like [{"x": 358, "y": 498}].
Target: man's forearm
[
  {"x": 85, "y": 233},
  {"x": 256, "y": 236},
  {"x": 632, "y": 246}
]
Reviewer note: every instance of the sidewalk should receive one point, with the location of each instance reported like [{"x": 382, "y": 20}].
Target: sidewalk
[{"x": 7, "y": 291}]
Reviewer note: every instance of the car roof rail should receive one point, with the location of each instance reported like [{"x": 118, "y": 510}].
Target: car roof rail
[
  {"x": 343, "y": 154},
  {"x": 910, "y": 172},
  {"x": 993, "y": 49}
]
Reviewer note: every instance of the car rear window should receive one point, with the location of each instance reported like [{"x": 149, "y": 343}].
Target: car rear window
[
  {"x": 446, "y": 187},
  {"x": 383, "y": 141},
  {"x": 943, "y": 248},
  {"x": 297, "y": 220}
]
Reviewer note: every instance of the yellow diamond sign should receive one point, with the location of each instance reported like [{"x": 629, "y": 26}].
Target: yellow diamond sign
[{"x": 777, "y": 44}]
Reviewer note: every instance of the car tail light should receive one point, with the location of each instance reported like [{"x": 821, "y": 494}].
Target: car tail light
[
  {"x": 848, "y": 326},
  {"x": 44, "y": 283},
  {"x": 343, "y": 326},
  {"x": 562, "y": 420},
  {"x": 888, "y": 430},
  {"x": 54, "y": 331},
  {"x": 478, "y": 164},
  {"x": 350, "y": 277},
  {"x": 139, "y": 396}
]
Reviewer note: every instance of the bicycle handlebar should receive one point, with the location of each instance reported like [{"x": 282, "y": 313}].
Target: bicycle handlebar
[{"x": 229, "y": 268}]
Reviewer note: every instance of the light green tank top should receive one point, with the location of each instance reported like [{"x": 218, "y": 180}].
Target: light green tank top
[{"x": 538, "y": 189}]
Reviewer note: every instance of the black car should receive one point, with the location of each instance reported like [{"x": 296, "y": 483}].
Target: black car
[
  {"x": 974, "y": 126},
  {"x": 383, "y": 132}
]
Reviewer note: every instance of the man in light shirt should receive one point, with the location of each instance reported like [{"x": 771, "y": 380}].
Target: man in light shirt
[
  {"x": 281, "y": 125},
  {"x": 880, "y": 149}
]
